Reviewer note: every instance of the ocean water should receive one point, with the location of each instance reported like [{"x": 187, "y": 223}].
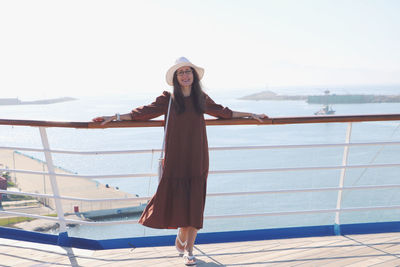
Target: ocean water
[{"x": 86, "y": 108}]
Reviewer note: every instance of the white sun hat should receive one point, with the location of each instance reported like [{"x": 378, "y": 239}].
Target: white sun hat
[{"x": 179, "y": 63}]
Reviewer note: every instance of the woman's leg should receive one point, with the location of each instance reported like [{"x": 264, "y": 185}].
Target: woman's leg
[
  {"x": 191, "y": 238},
  {"x": 181, "y": 238},
  {"x": 188, "y": 257},
  {"x": 187, "y": 235}
]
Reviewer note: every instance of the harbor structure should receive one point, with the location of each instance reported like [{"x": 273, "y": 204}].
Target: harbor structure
[{"x": 326, "y": 98}]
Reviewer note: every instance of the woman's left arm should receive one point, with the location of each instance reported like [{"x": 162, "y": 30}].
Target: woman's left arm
[{"x": 258, "y": 117}]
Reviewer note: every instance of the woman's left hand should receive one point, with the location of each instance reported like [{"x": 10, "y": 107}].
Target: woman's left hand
[
  {"x": 258, "y": 117},
  {"x": 104, "y": 119}
]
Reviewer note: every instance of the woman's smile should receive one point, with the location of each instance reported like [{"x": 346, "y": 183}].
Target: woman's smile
[{"x": 185, "y": 76}]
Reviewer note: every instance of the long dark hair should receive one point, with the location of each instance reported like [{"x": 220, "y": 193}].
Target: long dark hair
[{"x": 196, "y": 94}]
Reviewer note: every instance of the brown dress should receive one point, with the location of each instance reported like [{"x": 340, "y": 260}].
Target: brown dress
[{"x": 180, "y": 197}]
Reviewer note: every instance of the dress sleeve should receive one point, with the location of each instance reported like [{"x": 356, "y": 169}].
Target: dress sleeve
[
  {"x": 216, "y": 110},
  {"x": 153, "y": 110}
]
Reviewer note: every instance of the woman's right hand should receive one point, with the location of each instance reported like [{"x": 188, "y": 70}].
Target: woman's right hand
[{"x": 103, "y": 119}]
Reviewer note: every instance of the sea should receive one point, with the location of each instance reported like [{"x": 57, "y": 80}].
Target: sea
[{"x": 87, "y": 107}]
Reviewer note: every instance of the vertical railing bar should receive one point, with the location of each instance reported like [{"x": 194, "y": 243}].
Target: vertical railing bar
[
  {"x": 53, "y": 179},
  {"x": 14, "y": 173},
  {"x": 341, "y": 181}
]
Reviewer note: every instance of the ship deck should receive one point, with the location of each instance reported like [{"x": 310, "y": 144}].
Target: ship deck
[
  {"x": 352, "y": 250},
  {"x": 320, "y": 250}
]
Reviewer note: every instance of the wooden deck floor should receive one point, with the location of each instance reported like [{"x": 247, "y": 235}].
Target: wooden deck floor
[{"x": 354, "y": 250}]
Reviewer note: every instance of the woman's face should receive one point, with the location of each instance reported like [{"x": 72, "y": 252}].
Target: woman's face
[{"x": 185, "y": 76}]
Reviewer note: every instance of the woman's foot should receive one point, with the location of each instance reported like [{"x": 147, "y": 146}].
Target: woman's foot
[
  {"x": 179, "y": 245},
  {"x": 189, "y": 259}
]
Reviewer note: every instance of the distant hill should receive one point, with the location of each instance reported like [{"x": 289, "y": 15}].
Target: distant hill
[{"x": 16, "y": 101}]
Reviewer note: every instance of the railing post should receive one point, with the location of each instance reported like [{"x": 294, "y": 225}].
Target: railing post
[
  {"x": 15, "y": 174},
  {"x": 341, "y": 182},
  {"x": 53, "y": 180}
]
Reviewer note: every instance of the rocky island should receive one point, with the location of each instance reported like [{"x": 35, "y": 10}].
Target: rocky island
[{"x": 269, "y": 95}]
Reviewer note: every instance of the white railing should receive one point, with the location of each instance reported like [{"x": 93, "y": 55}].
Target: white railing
[{"x": 64, "y": 221}]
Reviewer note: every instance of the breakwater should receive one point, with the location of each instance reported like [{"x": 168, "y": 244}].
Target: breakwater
[{"x": 352, "y": 99}]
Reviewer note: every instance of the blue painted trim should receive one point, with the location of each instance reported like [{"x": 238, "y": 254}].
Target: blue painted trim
[
  {"x": 264, "y": 234},
  {"x": 202, "y": 238},
  {"x": 370, "y": 228},
  {"x": 63, "y": 240},
  {"x": 29, "y": 236},
  {"x": 336, "y": 229},
  {"x": 91, "y": 244}
]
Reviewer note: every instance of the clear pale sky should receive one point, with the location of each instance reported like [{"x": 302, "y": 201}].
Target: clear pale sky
[{"x": 72, "y": 48}]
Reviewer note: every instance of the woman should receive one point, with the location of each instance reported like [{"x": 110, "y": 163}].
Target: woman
[{"x": 180, "y": 197}]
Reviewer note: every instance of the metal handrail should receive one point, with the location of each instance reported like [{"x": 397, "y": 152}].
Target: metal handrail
[
  {"x": 241, "y": 121},
  {"x": 285, "y": 191},
  {"x": 149, "y": 151},
  {"x": 133, "y": 175},
  {"x": 209, "y": 217}
]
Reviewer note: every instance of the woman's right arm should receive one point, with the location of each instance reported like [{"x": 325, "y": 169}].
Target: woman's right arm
[{"x": 153, "y": 110}]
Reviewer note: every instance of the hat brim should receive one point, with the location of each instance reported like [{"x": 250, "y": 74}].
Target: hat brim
[{"x": 170, "y": 73}]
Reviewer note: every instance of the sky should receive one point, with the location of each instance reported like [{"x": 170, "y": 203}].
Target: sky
[{"x": 83, "y": 48}]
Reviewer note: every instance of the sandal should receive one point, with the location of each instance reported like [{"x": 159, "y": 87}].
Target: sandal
[
  {"x": 182, "y": 244},
  {"x": 189, "y": 260}
]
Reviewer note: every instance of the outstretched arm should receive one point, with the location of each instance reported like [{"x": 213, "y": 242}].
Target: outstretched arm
[
  {"x": 155, "y": 109},
  {"x": 107, "y": 119}
]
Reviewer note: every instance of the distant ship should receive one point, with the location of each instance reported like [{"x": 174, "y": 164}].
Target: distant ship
[
  {"x": 326, "y": 110},
  {"x": 16, "y": 101}
]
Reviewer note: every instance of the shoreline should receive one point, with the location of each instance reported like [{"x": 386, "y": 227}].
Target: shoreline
[
  {"x": 67, "y": 186},
  {"x": 327, "y": 98},
  {"x": 43, "y": 162}
]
